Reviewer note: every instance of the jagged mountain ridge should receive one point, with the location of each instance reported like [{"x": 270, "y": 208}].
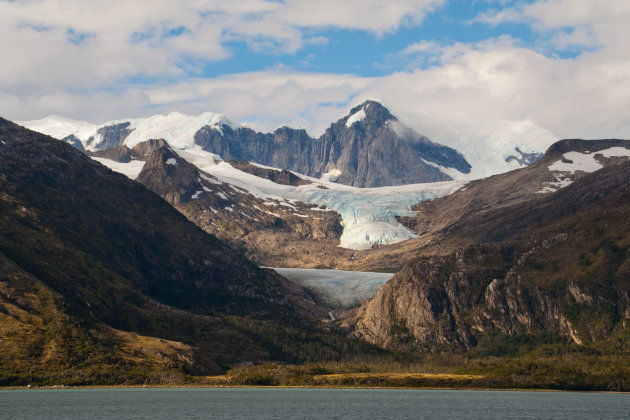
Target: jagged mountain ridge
[
  {"x": 374, "y": 150},
  {"x": 370, "y": 151}
]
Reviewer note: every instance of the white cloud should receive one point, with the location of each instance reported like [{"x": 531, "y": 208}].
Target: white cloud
[
  {"x": 479, "y": 85},
  {"x": 370, "y": 15},
  {"x": 571, "y": 23},
  {"x": 53, "y": 44}
]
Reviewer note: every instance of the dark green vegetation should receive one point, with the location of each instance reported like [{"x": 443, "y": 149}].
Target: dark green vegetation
[
  {"x": 572, "y": 371},
  {"x": 102, "y": 281}
]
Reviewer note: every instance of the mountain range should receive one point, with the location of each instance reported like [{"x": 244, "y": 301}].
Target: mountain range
[
  {"x": 101, "y": 274},
  {"x": 369, "y": 147}
]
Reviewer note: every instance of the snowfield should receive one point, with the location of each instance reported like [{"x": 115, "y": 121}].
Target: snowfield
[
  {"x": 335, "y": 287},
  {"x": 131, "y": 169},
  {"x": 575, "y": 161},
  {"x": 176, "y": 128},
  {"x": 486, "y": 147}
]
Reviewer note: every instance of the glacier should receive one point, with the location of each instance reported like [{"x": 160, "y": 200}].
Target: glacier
[{"x": 368, "y": 214}]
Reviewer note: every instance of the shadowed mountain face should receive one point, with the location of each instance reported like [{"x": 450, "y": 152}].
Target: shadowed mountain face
[
  {"x": 367, "y": 148},
  {"x": 117, "y": 223},
  {"x": 100, "y": 273}
]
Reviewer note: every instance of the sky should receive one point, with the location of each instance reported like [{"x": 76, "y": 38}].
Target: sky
[{"x": 557, "y": 65}]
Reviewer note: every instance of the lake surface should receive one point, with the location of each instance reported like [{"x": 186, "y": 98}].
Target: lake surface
[
  {"x": 280, "y": 403},
  {"x": 337, "y": 287}
]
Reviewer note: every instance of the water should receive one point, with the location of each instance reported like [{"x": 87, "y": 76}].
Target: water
[
  {"x": 337, "y": 287},
  {"x": 279, "y": 403}
]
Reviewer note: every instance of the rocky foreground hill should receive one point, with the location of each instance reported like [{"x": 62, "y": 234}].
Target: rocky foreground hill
[{"x": 516, "y": 262}]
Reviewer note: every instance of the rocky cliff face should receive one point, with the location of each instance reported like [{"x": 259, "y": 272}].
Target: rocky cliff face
[
  {"x": 371, "y": 148},
  {"x": 367, "y": 148},
  {"x": 565, "y": 271}
]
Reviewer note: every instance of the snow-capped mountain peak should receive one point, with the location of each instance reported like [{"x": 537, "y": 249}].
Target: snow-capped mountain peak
[{"x": 176, "y": 128}]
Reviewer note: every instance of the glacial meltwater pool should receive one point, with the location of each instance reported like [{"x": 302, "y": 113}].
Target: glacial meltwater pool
[{"x": 336, "y": 287}]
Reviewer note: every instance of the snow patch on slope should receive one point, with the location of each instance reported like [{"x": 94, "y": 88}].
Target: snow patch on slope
[
  {"x": 614, "y": 152},
  {"x": 356, "y": 117},
  {"x": 586, "y": 162},
  {"x": 572, "y": 162},
  {"x": 331, "y": 176},
  {"x": 576, "y": 161},
  {"x": 130, "y": 169}
]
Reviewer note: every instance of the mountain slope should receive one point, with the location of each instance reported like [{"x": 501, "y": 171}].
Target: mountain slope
[
  {"x": 561, "y": 269},
  {"x": 238, "y": 217},
  {"x": 477, "y": 212}
]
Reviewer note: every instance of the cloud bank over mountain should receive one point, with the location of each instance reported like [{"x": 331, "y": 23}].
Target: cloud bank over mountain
[{"x": 555, "y": 64}]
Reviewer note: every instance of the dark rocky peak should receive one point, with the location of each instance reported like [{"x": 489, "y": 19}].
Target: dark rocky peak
[
  {"x": 367, "y": 119},
  {"x": 145, "y": 148},
  {"x": 111, "y": 136},
  {"x": 74, "y": 141},
  {"x": 123, "y": 154},
  {"x": 281, "y": 176},
  {"x": 170, "y": 176},
  {"x": 118, "y": 154},
  {"x": 285, "y": 130}
]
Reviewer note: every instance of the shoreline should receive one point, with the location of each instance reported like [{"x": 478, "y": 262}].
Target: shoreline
[{"x": 197, "y": 386}]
